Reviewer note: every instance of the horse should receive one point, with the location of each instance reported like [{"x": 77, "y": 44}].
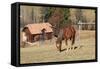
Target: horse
[{"x": 65, "y": 34}]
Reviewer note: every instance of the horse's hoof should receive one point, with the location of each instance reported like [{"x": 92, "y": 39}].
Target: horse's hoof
[
  {"x": 60, "y": 50},
  {"x": 75, "y": 47},
  {"x": 71, "y": 48}
]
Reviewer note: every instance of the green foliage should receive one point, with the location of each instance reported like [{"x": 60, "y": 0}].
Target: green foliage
[
  {"x": 65, "y": 17},
  {"x": 79, "y": 16},
  {"x": 61, "y": 13},
  {"x": 48, "y": 12}
]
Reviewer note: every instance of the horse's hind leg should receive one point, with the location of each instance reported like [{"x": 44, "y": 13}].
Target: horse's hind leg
[
  {"x": 67, "y": 44},
  {"x": 70, "y": 38},
  {"x": 73, "y": 40}
]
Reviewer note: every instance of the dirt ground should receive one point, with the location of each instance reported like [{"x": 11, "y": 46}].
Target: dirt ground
[{"x": 47, "y": 52}]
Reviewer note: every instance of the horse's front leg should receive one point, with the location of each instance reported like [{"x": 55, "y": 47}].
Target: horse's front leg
[
  {"x": 60, "y": 44},
  {"x": 57, "y": 45}
]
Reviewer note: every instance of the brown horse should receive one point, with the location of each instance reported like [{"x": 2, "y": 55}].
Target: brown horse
[{"x": 65, "y": 34}]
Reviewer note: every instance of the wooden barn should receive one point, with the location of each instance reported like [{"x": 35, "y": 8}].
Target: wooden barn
[{"x": 37, "y": 31}]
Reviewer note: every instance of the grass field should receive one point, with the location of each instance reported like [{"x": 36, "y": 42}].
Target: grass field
[{"x": 47, "y": 52}]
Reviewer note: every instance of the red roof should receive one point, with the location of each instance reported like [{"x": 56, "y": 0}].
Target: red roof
[{"x": 37, "y": 27}]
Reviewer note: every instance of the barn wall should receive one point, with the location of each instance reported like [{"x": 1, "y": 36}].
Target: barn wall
[{"x": 37, "y": 37}]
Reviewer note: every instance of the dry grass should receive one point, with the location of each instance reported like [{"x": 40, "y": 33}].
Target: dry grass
[{"x": 47, "y": 52}]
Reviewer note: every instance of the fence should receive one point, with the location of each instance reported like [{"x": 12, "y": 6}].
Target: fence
[{"x": 81, "y": 26}]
